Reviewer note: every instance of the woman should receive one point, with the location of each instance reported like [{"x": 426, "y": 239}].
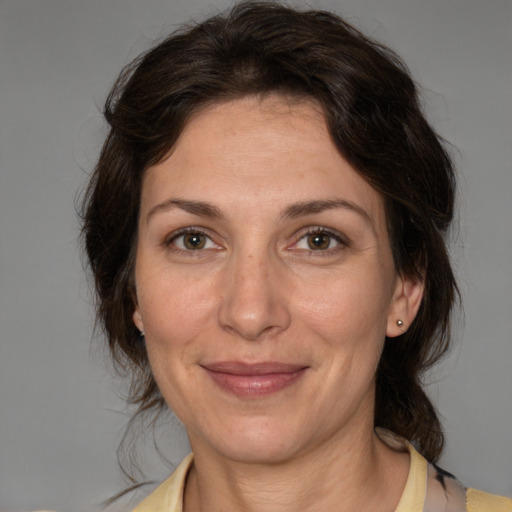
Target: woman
[{"x": 272, "y": 265}]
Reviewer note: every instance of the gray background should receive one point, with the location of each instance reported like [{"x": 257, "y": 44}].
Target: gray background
[{"x": 60, "y": 413}]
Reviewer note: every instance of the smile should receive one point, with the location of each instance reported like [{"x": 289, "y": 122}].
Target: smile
[{"x": 253, "y": 380}]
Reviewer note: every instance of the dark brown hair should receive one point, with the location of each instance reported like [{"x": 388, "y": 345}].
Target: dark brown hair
[{"x": 375, "y": 120}]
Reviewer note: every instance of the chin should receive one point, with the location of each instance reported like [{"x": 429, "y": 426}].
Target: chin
[
  {"x": 258, "y": 441},
  {"x": 259, "y": 451}
]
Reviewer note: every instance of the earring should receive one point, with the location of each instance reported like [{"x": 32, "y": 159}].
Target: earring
[
  {"x": 142, "y": 334},
  {"x": 399, "y": 323}
]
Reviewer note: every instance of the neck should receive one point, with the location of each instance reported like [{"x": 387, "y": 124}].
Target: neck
[{"x": 350, "y": 472}]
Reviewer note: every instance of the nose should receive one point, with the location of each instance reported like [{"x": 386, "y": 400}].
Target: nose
[{"x": 254, "y": 301}]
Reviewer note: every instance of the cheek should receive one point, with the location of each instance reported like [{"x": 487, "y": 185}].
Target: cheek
[
  {"x": 175, "y": 306},
  {"x": 346, "y": 323},
  {"x": 352, "y": 307},
  {"x": 347, "y": 317},
  {"x": 175, "y": 317}
]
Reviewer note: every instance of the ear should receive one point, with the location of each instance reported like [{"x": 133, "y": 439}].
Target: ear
[
  {"x": 404, "y": 305},
  {"x": 137, "y": 319}
]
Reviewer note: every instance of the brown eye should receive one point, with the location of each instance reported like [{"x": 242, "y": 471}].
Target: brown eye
[
  {"x": 194, "y": 241},
  {"x": 319, "y": 241}
]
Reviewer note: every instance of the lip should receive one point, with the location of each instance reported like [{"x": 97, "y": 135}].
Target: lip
[{"x": 253, "y": 380}]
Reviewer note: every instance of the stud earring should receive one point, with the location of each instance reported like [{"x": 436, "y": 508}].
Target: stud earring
[
  {"x": 399, "y": 323},
  {"x": 142, "y": 334}
]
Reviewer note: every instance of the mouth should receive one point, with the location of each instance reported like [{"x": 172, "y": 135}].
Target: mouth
[{"x": 253, "y": 380}]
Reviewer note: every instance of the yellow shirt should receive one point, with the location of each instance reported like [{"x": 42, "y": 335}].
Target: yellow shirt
[{"x": 427, "y": 489}]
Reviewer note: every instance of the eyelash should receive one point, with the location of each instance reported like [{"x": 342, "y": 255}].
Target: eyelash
[
  {"x": 333, "y": 235},
  {"x": 170, "y": 242}
]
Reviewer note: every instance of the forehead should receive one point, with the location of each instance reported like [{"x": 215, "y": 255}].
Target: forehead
[{"x": 258, "y": 152}]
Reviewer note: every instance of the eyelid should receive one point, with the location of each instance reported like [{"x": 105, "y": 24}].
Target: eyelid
[
  {"x": 168, "y": 241},
  {"x": 341, "y": 239}
]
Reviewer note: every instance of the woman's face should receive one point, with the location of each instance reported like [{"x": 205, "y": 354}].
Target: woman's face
[{"x": 265, "y": 282}]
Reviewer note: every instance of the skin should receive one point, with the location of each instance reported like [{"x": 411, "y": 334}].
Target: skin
[{"x": 258, "y": 182}]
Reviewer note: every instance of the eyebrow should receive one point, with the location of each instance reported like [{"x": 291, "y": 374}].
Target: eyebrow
[
  {"x": 300, "y": 209},
  {"x": 317, "y": 206},
  {"x": 198, "y": 208}
]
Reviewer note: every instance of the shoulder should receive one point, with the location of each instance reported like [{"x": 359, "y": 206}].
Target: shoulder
[
  {"x": 446, "y": 494},
  {"x": 479, "y": 501},
  {"x": 432, "y": 489}
]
